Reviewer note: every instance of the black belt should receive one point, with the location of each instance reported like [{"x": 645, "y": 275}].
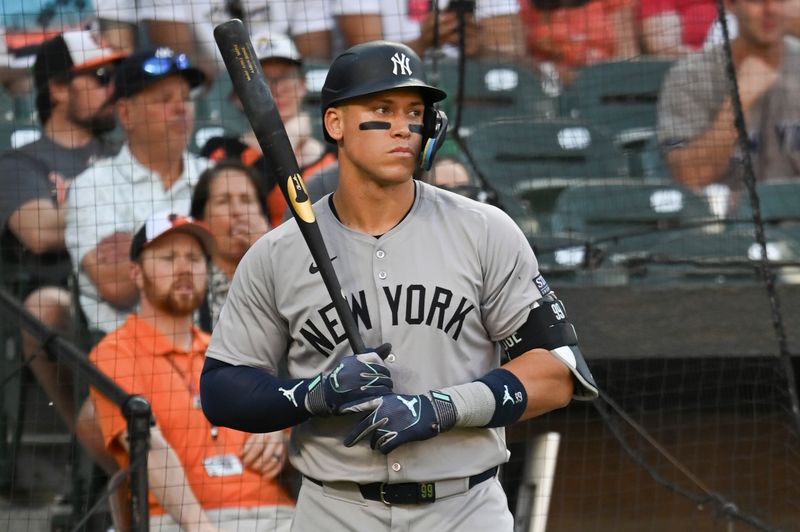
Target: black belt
[{"x": 409, "y": 492}]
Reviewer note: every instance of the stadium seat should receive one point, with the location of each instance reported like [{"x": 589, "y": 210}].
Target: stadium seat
[
  {"x": 215, "y": 107},
  {"x": 512, "y": 152},
  {"x": 779, "y": 201},
  {"x": 315, "y": 72},
  {"x": 707, "y": 254},
  {"x": 534, "y": 159},
  {"x": 491, "y": 90},
  {"x": 610, "y": 209},
  {"x": 622, "y": 96}
]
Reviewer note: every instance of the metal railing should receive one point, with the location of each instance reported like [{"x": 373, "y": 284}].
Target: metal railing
[{"x": 135, "y": 408}]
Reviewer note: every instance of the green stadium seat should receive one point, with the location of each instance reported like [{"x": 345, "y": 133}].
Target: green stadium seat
[
  {"x": 709, "y": 254},
  {"x": 513, "y": 152},
  {"x": 779, "y": 201},
  {"x": 533, "y": 159},
  {"x": 609, "y": 209},
  {"x": 215, "y": 107},
  {"x": 622, "y": 96},
  {"x": 491, "y": 90},
  {"x": 315, "y": 72}
]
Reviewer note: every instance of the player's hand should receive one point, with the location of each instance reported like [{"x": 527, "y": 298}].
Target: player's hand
[
  {"x": 265, "y": 453},
  {"x": 399, "y": 419},
  {"x": 357, "y": 379}
]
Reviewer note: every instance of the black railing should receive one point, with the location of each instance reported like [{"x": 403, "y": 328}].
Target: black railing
[{"x": 135, "y": 408}]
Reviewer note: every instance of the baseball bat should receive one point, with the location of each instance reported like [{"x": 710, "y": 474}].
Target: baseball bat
[{"x": 248, "y": 80}]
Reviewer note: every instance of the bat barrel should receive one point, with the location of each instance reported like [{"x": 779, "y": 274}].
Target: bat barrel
[{"x": 250, "y": 86}]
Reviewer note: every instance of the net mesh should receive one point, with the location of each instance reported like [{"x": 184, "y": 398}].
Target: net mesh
[{"x": 651, "y": 165}]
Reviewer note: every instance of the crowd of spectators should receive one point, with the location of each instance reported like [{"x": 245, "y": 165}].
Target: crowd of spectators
[{"x": 78, "y": 204}]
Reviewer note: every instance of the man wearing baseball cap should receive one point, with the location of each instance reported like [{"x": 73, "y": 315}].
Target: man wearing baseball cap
[
  {"x": 282, "y": 66},
  {"x": 153, "y": 171},
  {"x": 200, "y": 476},
  {"x": 72, "y": 76}
]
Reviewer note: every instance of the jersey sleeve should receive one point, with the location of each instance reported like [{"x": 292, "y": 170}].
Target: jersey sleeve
[
  {"x": 251, "y": 331},
  {"x": 509, "y": 273}
]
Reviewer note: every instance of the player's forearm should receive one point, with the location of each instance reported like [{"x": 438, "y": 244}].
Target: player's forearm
[
  {"x": 250, "y": 399},
  {"x": 705, "y": 159},
  {"x": 548, "y": 382}
]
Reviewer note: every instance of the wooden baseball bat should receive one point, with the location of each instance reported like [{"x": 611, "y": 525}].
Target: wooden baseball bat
[{"x": 248, "y": 80}]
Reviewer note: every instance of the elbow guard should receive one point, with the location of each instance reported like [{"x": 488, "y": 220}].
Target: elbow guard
[{"x": 547, "y": 327}]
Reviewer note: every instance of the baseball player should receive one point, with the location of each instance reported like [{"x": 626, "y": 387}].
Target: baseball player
[{"x": 410, "y": 435}]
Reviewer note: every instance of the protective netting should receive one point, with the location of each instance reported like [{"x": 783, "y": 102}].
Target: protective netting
[{"x": 647, "y": 149}]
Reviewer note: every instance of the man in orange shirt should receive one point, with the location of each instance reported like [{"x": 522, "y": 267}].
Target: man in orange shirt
[{"x": 201, "y": 477}]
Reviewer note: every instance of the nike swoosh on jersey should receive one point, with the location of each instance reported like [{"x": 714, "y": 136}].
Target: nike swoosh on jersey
[{"x": 313, "y": 268}]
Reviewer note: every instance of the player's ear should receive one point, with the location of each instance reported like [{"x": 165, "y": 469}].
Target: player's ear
[{"x": 332, "y": 121}]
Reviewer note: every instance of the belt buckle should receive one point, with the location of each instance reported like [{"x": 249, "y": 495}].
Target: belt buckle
[{"x": 383, "y": 493}]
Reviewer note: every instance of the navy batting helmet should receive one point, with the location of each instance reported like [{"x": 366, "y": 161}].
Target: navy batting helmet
[{"x": 378, "y": 66}]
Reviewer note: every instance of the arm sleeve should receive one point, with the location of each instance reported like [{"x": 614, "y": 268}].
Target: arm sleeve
[
  {"x": 509, "y": 272},
  {"x": 250, "y": 399}
]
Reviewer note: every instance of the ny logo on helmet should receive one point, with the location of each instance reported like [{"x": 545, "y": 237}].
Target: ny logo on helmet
[{"x": 401, "y": 60}]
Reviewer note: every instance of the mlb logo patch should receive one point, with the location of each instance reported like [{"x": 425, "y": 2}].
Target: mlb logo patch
[{"x": 541, "y": 285}]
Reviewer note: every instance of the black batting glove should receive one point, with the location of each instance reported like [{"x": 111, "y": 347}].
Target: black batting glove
[
  {"x": 356, "y": 380},
  {"x": 399, "y": 419}
]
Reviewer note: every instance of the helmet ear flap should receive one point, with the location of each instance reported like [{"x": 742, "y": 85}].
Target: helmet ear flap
[{"x": 434, "y": 133}]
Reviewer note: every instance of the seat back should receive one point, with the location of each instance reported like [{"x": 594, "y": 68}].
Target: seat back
[
  {"x": 621, "y": 95},
  {"x": 513, "y": 153},
  {"x": 491, "y": 90},
  {"x": 603, "y": 210}
]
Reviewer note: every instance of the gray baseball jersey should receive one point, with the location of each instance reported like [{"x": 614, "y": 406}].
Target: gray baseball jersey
[
  {"x": 694, "y": 91},
  {"x": 452, "y": 279}
]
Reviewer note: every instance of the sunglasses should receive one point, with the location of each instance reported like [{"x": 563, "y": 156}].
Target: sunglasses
[
  {"x": 161, "y": 63},
  {"x": 103, "y": 75}
]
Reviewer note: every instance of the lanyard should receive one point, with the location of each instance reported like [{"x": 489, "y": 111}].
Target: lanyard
[{"x": 187, "y": 381}]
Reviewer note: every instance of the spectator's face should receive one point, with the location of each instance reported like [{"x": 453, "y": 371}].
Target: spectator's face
[
  {"x": 287, "y": 86},
  {"x": 233, "y": 214},
  {"x": 762, "y": 23},
  {"x": 88, "y": 105},
  {"x": 160, "y": 115},
  {"x": 173, "y": 274},
  {"x": 374, "y": 133},
  {"x": 449, "y": 173}
]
